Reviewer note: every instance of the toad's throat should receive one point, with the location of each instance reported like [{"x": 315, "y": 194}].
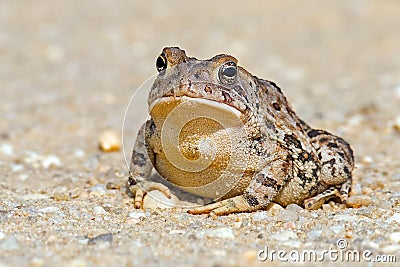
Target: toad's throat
[{"x": 199, "y": 144}]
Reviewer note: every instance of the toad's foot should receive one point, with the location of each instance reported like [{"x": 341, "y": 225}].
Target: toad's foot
[
  {"x": 227, "y": 206},
  {"x": 140, "y": 189},
  {"x": 316, "y": 202}
]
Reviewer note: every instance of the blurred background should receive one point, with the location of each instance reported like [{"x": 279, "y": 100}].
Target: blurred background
[{"x": 69, "y": 68}]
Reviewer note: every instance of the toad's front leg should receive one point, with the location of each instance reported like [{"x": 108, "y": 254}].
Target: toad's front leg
[{"x": 140, "y": 170}]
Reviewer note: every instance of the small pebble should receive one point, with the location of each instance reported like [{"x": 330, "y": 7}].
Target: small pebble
[
  {"x": 345, "y": 218},
  {"x": 136, "y": 214},
  {"x": 104, "y": 238},
  {"x": 394, "y": 218},
  {"x": 17, "y": 167},
  {"x": 99, "y": 189},
  {"x": 286, "y": 216},
  {"x": 348, "y": 233},
  {"x": 315, "y": 233},
  {"x": 367, "y": 160},
  {"x": 294, "y": 207},
  {"x": 284, "y": 235},
  {"x": 79, "y": 153},
  {"x": 177, "y": 232},
  {"x": 274, "y": 208},
  {"x": 260, "y": 216},
  {"x": 221, "y": 232},
  {"x": 98, "y": 210},
  {"x": 110, "y": 141},
  {"x": 50, "y": 161},
  {"x": 395, "y": 237},
  {"x": 10, "y": 243},
  {"x": 2, "y": 236},
  {"x": 113, "y": 186},
  {"x": 396, "y": 124},
  {"x": 7, "y": 149},
  {"x": 336, "y": 229},
  {"x": 49, "y": 209},
  {"x": 34, "y": 196}
]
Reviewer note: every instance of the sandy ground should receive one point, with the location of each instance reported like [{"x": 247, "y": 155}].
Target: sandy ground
[{"x": 69, "y": 68}]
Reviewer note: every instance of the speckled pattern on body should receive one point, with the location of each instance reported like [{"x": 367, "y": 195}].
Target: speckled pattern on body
[{"x": 281, "y": 158}]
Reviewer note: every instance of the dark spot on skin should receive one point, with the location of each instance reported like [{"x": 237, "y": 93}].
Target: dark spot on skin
[
  {"x": 341, "y": 154},
  {"x": 290, "y": 139},
  {"x": 313, "y": 133},
  {"x": 208, "y": 89},
  {"x": 290, "y": 111},
  {"x": 251, "y": 200},
  {"x": 251, "y": 84},
  {"x": 332, "y": 145},
  {"x": 331, "y": 162},
  {"x": 333, "y": 170},
  {"x": 303, "y": 157},
  {"x": 269, "y": 182},
  {"x": 320, "y": 156},
  {"x": 323, "y": 140},
  {"x": 131, "y": 181},
  {"x": 276, "y": 106},
  {"x": 227, "y": 97},
  {"x": 138, "y": 159},
  {"x": 276, "y": 86},
  {"x": 346, "y": 170}
]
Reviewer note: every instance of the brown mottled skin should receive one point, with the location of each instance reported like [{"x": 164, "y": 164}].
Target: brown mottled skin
[{"x": 270, "y": 156}]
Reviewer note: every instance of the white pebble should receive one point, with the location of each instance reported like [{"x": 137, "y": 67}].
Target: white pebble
[
  {"x": 50, "y": 161},
  {"x": 345, "y": 218},
  {"x": 98, "y": 210},
  {"x": 34, "y": 196},
  {"x": 10, "y": 243},
  {"x": 17, "y": 167},
  {"x": 394, "y": 218},
  {"x": 177, "y": 232},
  {"x": 137, "y": 214},
  {"x": 79, "y": 153},
  {"x": 284, "y": 235},
  {"x": 395, "y": 237},
  {"x": 99, "y": 188},
  {"x": 286, "y": 216},
  {"x": 220, "y": 232},
  {"x": 2, "y": 235},
  {"x": 260, "y": 216},
  {"x": 7, "y": 149},
  {"x": 49, "y": 209},
  {"x": 367, "y": 160}
]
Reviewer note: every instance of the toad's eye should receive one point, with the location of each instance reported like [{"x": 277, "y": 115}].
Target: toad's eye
[
  {"x": 161, "y": 62},
  {"x": 227, "y": 72}
]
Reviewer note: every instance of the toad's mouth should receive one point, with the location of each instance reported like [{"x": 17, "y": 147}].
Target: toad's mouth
[{"x": 194, "y": 106}]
